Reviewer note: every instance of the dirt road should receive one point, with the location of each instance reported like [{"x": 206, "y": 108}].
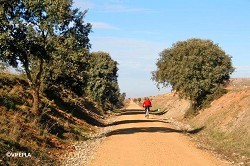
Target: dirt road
[{"x": 136, "y": 141}]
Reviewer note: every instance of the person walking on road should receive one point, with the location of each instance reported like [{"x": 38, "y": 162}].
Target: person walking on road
[{"x": 147, "y": 104}]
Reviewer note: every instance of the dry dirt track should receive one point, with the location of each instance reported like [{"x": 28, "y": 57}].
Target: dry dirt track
[{"x": 137, "y": 141}]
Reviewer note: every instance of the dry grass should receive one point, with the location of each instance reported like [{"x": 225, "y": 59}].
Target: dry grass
[
  {"x": 47, "y": 136},
  {"x": 18, "y": 136},
  {"x": 226, "y": 121}
]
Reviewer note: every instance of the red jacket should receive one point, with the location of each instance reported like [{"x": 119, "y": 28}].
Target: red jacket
[{"x": 146, "y": 103}]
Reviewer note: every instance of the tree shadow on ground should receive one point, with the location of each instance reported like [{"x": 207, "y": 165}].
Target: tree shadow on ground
[
  {"x": 142, "y": 130},
  {"x": 132, "y": 112},
  {"x": 142, "y": 111},
  {"x": 158, "y": 113},
  {"x": 134, "y": 121},
  {"x": 195, "y": 131},
  {"x": 135, "y": 130}
]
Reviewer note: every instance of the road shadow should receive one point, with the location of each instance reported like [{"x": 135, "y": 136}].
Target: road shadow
[
  {"x": 158, "y": 113},
  {"x": 142, "y": 111},
  {"x": 135, "y": 121},
  {"x": 135, "y": 130},
  {"x": 131, "y": 112},
  {"x": 142, "y": 130},
  {"x": 195, "y": 131}
]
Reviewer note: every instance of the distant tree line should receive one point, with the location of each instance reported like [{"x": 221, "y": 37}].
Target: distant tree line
[{"x": 48, "y": 40}]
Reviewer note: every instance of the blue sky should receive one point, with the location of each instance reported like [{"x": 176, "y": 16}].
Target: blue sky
[{"x": 134, "y": 32}]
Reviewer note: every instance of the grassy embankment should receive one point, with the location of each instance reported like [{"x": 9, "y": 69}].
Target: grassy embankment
[
  {"x": 225, "y": 121},
  {"x": 227, "y": 127},
  {"x": 64, "y": 119}
]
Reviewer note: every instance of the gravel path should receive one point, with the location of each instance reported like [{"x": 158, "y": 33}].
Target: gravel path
[
  {"x": 135, "y": 140},
  {"x": 85, "y": 150}
]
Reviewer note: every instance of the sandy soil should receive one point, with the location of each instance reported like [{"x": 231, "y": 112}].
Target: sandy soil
[{"x": 135, "y": 141}]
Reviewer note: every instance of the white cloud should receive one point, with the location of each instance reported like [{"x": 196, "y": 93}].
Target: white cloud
[
  {"x": 107, "y": 6},
  {"x": 112, "y": 6},
  {"x": 83, "y": 4},
  {"x": 147, "y": 32},
  {"x": 117, "y": 7},
  {"x": 128, "y": 49},
  {"x": 136, "y": 58},
  {"x": 135, "y": 55},
  {"x": 103, "y": 25}
]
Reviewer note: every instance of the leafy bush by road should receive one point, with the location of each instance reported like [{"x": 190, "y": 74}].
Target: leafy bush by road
[{"x": 196, "y": 69}]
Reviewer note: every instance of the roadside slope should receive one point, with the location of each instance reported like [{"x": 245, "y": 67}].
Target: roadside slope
[
  {"x": 227, "y": 125},
  {"x": 226, "y": 121}
]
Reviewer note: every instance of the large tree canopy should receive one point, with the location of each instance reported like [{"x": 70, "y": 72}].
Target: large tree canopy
[
  {"x": 33, "y": 33},
  {"x": 195, "y": 68},
  {"x": 102, "y": 83}
]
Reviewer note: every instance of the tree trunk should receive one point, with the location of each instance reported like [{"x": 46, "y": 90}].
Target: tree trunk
[
  {"x": 34, "y": 83},
  {"x": 36, "y": 101}
]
